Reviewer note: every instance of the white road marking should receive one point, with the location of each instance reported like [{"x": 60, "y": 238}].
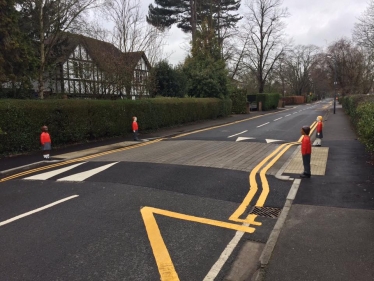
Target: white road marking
[
  {"x": 270, "y": 140},
  {"x": 278, "y": 119},
  {"x": 294, "y": 113},
  {"x": 37, "y": 210},
  {"x": 47, "y": 175},
  {"x": 244, "y": 138},
  {"x": 287, "y": 115},
  {"x": 84, "y": 175},
  {"x": 263, "y": 125},
  {"x": 216, "y": 268},
  {"x": 238, "y": 134}
]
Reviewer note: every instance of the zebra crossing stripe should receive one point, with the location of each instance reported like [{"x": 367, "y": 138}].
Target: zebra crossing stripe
[
  {"x": 84, "y": 175},
  {"x": 47, "y": 175}
]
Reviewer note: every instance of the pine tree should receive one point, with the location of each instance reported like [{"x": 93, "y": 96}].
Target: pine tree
[
  {"x": 189, "y": 14},
  {"x": 17, "y": 57}
]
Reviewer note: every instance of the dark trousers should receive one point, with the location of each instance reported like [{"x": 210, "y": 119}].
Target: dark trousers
[
  {"x": 136, "y": 135},
  {"x": 306, "y": 162}
]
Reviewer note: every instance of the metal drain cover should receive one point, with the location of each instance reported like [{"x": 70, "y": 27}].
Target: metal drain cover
[{"x": 266, "y": 212}]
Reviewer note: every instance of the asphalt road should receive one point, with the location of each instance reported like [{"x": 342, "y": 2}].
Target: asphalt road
[{"x": 167, "y": 208}]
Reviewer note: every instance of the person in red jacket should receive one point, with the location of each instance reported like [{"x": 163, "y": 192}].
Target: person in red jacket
[
  {"x": 135, "y": 128},
  {"x": 45, "y": 140},
  {"x": 306, "y": 151},
  {"x": 319, "y": 135}
]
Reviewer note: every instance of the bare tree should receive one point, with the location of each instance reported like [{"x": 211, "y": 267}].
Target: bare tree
[
  {"x": 48, "y": 19},
  {"x": 131, "y": 33},
  {"x": 363, "y": 32},
  {"x": 353, "y": 67},
  {"x": 267, "y": 43},
  {"x": 298, "y": 64}
]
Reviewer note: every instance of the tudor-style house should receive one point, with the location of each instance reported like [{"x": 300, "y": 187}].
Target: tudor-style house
[{"x": 86, "y": 66}]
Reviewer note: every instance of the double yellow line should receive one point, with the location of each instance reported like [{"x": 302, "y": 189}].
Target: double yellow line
[
  {"x": 271, "y": 159},
  {"x": 77, "y": 160}
]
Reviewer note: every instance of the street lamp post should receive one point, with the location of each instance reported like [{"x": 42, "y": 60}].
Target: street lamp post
[{"x": 335, "y": 84}]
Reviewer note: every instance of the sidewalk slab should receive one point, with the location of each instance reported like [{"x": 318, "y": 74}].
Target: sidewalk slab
[{"x": 324, "y": 243}]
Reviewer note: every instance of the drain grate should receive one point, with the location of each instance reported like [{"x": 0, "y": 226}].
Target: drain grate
[{"x": 266, "y": 212}]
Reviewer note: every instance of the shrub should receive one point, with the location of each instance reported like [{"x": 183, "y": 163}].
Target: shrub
[
  {"x": 269, "y": 101},
  {"x": 360, "y": 108},
  {"x": 365, "y": 124},
  {"x": 73, "y": 121},
  {"x": 239, "y": 101}
]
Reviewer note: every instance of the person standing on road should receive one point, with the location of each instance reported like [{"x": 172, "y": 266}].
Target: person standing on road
[
  {"x": 319, "y": 135},
  {"x": 45, "y": 140},
  {"x": 135, "y": 128},
  {"x": 306, "y": 151}
]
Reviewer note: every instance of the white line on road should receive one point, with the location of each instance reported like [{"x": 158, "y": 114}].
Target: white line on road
[
  {"x": 216, "y": 268},
  {"x": 263, "y": 125},
  {"x": 287, "y": 115},
  {"x": 37, "y": 210},
  {"x": 84, "y": 175},
  {"x": 294, "y": 113},
  {"x": 47, "y": 175},
  {"x": 238, "y": 134},
  {"x": 278, "y": 119}
]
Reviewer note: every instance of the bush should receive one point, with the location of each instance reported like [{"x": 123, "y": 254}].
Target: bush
[
  {"x": 360, "y": 108},
  {"x": 269, "y": 101},
  {"x": 72, "y": 121},
  {"x": 239, "y": 101}
]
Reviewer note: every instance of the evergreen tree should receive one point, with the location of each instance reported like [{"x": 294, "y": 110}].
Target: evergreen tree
[
  {"x": 205, "y": 70},
  {"x": 189, "y": 14},
  {"x": 17, "y": 57},
  {"x": 168, "y": 81}
]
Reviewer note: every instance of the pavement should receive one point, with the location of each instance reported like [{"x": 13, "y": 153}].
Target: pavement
[{"x": 328, "y": 233}]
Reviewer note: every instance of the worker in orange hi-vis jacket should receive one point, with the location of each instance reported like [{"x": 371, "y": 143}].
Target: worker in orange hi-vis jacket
[
  {"x": 135, "y": 128},
  {"x": 306, "y": 151},
  {"x": 319, "y": 135}
]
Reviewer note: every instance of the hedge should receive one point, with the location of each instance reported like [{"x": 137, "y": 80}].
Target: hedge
[
  {"x": 72, "y": 121},
  {"x": 291, "y": 100},
  {"x": 239, "y": 101},
  {"x": 269, "y": 101},
  {"x": 360, "y": 108}
]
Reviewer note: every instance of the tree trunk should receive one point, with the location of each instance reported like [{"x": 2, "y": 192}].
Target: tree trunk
[{"x": 42, "y": 53}]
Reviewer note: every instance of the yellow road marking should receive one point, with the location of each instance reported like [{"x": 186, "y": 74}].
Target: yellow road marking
[
  {"x": 265, "y": 184},
  {"x": 163, "y": 260},
  {"x": 253, "y": 186},
  {"x": 228, "y": 124},
  {"x": 76, "y": 160}
]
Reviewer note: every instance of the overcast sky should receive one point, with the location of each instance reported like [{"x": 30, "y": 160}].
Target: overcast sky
[{"x": 317, "y": 22}]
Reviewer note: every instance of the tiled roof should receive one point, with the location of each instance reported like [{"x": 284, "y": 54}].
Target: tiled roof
[{"x": 106, "y": 55}]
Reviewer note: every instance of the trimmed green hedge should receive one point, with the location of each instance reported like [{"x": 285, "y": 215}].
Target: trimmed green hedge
[
  {"x": 72, "y": 121},
  {"x": 360, "y": 108},
  {"x": 269, "y": 101},
  {"x": 239, "y": 101}
]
